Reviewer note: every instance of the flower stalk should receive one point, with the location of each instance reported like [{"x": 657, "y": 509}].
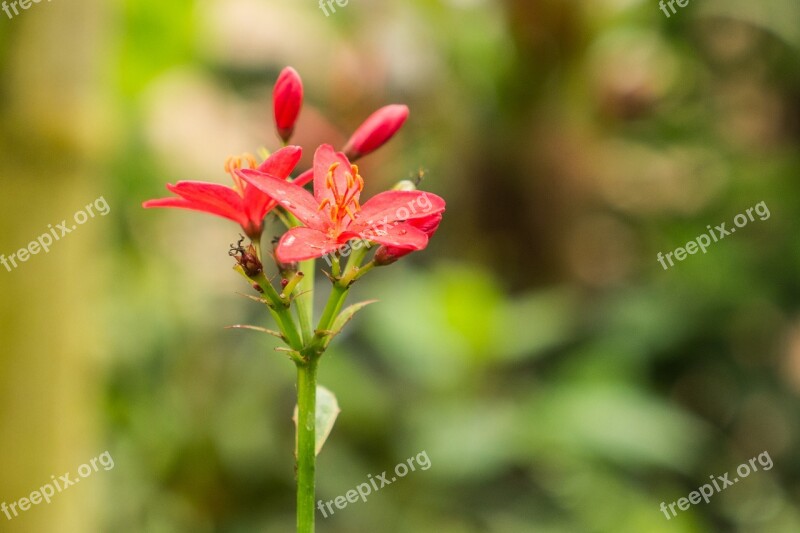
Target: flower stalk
[
  {"x": 332, "y": 222},
  {"x": 306, "y": 443}
]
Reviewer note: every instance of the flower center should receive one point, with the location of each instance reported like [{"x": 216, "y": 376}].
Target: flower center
[
  {"x": 232, "y": 164},
  {"x": 344, "y": 203}
]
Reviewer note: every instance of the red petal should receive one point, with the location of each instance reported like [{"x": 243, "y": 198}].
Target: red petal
[
  {"x": 428, "y": 225},
  {"x": 280, "y": 165},
  {"x": 304, "y": 178},
  {"x": 299, "y": 244},
  {"x": 182, "y": 203},
  {"x": 390, "y": 206},
  {"x": 324, "y": 157},
  {"x": 257, "y": 204},
  {"x": 291, "y": 197},
  {"x": 282, "y": 162},
  {"x": 402, "y": 235},
  {"x": 206, "y": 197}
]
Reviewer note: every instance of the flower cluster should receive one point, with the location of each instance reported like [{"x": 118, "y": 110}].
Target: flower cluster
[{"x": 333, "y": 214}]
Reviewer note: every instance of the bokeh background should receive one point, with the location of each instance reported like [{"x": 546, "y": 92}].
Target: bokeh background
[{"x": 558, "y": 378}]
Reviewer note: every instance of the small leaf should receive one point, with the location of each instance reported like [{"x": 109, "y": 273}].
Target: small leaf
[
  {"x": 294, "y": 355},
  {"x": 254, "y": 298},
  {"x": 343, "y": 318},
  {"x": 327, "y": 411},
  {"x": 256, "y": 328}
]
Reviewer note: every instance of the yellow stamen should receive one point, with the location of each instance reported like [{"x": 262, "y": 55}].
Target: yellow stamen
[
  {"x": 344, "y": 203},
  {"x": 232, "y": 164}
]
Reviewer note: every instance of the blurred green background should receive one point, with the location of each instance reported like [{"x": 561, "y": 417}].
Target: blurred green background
[{"x": 557, "y": 377}]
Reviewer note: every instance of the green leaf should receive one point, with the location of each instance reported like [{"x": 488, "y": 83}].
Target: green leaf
[
  {"x": 343, "y": 318},
  {"x": 327, "y": 412}
]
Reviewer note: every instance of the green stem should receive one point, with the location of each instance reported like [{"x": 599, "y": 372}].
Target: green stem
[
  {"x": 360, "y": 271},
  {"x": 306, "y": 444},
  {"x": 280, "y": 311},
  {"x": 353, "y": 270},
  {"x": 304, "y": 299},
  {"x": 332, "y": 308},
  {"x": 283, "y": 217}
]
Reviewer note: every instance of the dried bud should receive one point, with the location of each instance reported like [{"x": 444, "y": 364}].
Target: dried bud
[
  {"x": 247, "y": 258},
  {"x": 384, "y": 257},
  {"x": 376, "y": 130},
  {"x": 287, "y": 99}
]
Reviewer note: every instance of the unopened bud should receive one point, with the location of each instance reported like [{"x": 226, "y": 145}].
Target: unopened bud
[
  {"x": 375, "y": 131},
  {"x": 287, "y": 99}
]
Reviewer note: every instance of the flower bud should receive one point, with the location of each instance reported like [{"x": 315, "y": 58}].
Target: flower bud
[
  {"x": 404, "y": 185},
  {"x": 375, "y": 131},
  {"x": 384, "y": 257},
  {"x": 287, "y": 99}
]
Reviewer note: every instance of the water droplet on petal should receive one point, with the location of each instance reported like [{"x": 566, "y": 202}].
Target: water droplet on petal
[{"x": 289, "y": 240}]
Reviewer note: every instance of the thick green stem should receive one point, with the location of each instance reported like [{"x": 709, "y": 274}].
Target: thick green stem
[{"x": 306, "y": 444}]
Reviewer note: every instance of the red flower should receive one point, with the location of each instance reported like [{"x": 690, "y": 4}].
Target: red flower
[
  {"x": 333, "y": 214},
  {"x": 242, "y": 203},
  {"x": 386, "y": 255},
  {"x": 376, "y": 130},
  {"x": 287, "y": 99}
]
